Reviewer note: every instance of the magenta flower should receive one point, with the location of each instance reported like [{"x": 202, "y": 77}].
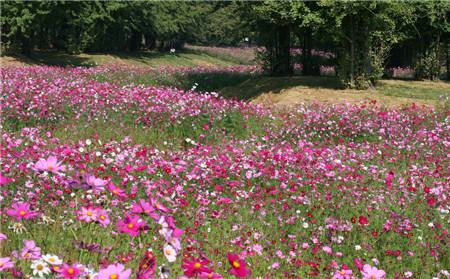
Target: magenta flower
[
  {"x": 194, "y": 267},
  {"x": 116, "y": 191},
  {"x": 116, "y": 271},
  {"x": 21, "y": 210},
  {"x": 69, "y": 271},
  {"x": 30, "y": 251},
  {"x": 50, "y": 164},
  {"x": 6, "y": 263},
  {"x": 130, "y": 225},
  {"x": 238, "y": 266},
  {"x": 144, "y": 207},
  {"x": 370, "y": 272}
]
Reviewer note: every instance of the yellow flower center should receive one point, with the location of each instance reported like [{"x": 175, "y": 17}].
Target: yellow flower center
[
  {"x": 115, "y": 191},
  {"x": 56, "y": 267},
  {"x": 50, "y": 167},
  {"x": 373, "y": 277},
  {"x": 70, "y": 271},
  {"x": 168, "y": 252},
  {"x": 130, "y": 226},
  {"x": 102, "y": 217},
  {"x": 1, "y": 264},
  {"x": 39, "y": 267},
  {"x": 89, "y": 213},
  {"x": 113, "y": 276},
  {"x": 342, "y": 272},
  {"x": 22, "y": 213},
  {"x": 26, "y": 255},
  {"x": 51, "y": 260},
  {"x": 236, "y": 264},
  {"x": 197, "y": 265}
]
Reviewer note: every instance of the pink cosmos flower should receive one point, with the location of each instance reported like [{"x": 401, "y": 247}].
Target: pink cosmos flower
[
  {"x": 238, "y": 266},
  {"x": 6, "y": 263},
  {"x": 343, "y": 274},
  {"x": 370, "y": 272},
  {"x": 130, "y": 225},
  {"x": 114, "y": 271},
  {"x": 69, "y": 271},
  {"x": 159, "y": 206},
  {"x": 87, "y": 214},
  {"x": 30, "y": 251},
  {"x": 21, "y": 210},
  {"x": 194, "y": 267},
  {"x": 50, "y": 164},
  {"x": 96, "y": 184},
  {"x": 144, "y": 207},
  {"x": 102, "y": 217},
  {"x": 3, "y": 237},
  {"x": 210, "y": 275},
  {"x": 4, "y": 180},
  {"x": 116, "y": 191}
]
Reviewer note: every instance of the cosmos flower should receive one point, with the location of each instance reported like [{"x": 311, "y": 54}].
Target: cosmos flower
[
  {"x": 130, "y": 225},
  {"x": 6, "y": 263},
  {"x": 238, "y": 266},
  {"x": 30, "y": 251},
  {"x": 21, "y": 210},
  {"x": 370, "y": 272},
  {"x": 52, "y": 259},
  {"x": 50, "y": 164},
  {"x": 102, "y": 217},
  {"x": 69, "y": 271},
  {"x": 40, "y": 268},
  {"x": 114, "y": 271},
  {"x": 343, "y": 274},
  {"x": 193, "y": 267},
  {"x": 87, "y": 214},
  {"x": 170, "y": 253}
]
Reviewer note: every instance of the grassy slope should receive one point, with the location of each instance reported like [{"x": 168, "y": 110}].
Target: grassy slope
[{"x": 185, "y": 58}]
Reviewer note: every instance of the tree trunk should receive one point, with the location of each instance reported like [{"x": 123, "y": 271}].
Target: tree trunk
[
  {"x": 282, "y": 59},
  {"x": 448, "y": 58},
  {"x": 352, "y": 56}
]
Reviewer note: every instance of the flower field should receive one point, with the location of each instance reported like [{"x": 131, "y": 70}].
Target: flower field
[{"x": 106, "y": 177}]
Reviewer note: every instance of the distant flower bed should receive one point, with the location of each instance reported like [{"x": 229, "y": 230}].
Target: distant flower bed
[{"x": 398, "y": 72}]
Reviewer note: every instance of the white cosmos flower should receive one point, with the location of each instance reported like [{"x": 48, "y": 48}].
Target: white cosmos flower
[
  {"x": 305, "y": 225},
  {"x": 40, "y": 268},
  {"x": 170, "y": 253},
  {"x": 52, "y": 259}
]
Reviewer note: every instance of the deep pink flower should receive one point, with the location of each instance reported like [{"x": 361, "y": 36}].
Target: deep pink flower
[
  {"x": 21, "y": 210},
  {"x": 50, "y": 164},
  {"x": 116, "y": 191},
  {"x": 370, "y": 272},
  {"x": 194, "y": 267},
  {"x": 69, "y": 271},
  {"x": 114, "y": 271},
  {"x": 238, "y": 266},
  {"x": 130, "y": 225}
]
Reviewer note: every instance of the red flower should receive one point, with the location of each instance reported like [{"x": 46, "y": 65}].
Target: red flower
[
  {"x": 238, "y": 266},
  {"x": 363, "y": 220}
]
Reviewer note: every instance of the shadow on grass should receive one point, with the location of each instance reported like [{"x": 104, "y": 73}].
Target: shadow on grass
[
  {"x": 54, "y": 58},
  {"x": 255, "y": 86}
]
